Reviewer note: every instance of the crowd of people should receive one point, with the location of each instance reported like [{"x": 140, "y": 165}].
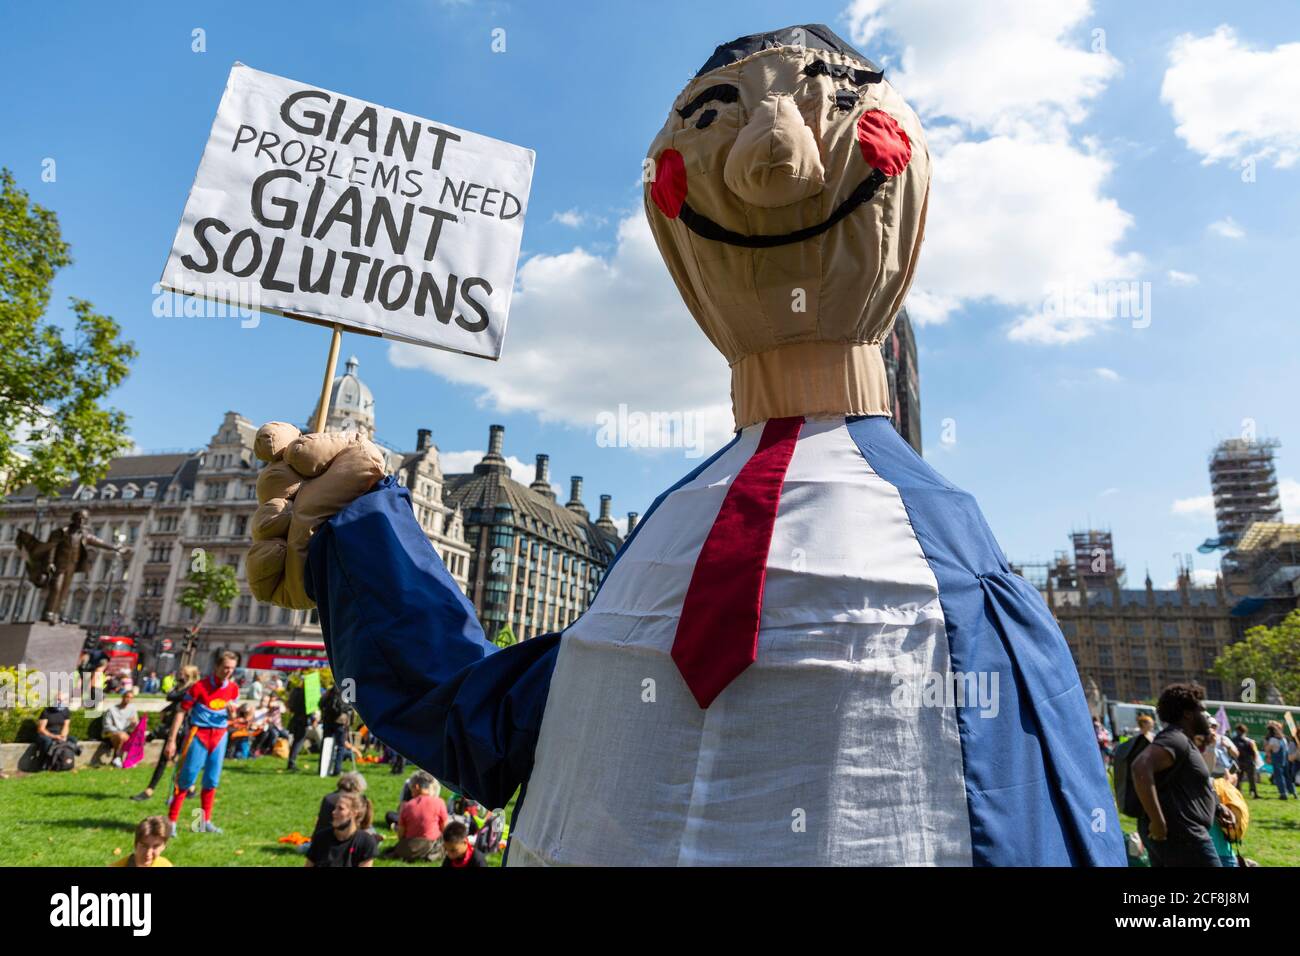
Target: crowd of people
[
  {"x": 1185, "y": 784},
  {"x": 209, "y": 719}
]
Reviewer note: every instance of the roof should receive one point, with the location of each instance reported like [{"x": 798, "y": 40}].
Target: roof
[
  {"x": 131, "y": 468},
  {"x": 1267, "y": 533},
  {"x": 488, "y": 490}
]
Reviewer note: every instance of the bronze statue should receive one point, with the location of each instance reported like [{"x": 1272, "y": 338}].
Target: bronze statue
[{"x": 51, "y": 564}]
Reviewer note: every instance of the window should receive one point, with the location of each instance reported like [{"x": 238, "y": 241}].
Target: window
[
  {"x": 1205, "y": 628},
  {"x": 1169, "y": 628},
  {"x": 240, "y": 526},
  {"x": 1101, "y": 628},
  {"x": 209, "y": 526},
  {"x": 263, "y": 614},
  {"x": 130, "y": 491},
  {"x": 242, "y": 609},
  {"x": 1135, "y": 629},
  {"x": 108, "y": 491},
  {"x": 1104, "y": 656},
  {"x": 1174, "y": 656},
  {"x": 216, "y": 490},
  {"x": 151, "y": 490}
]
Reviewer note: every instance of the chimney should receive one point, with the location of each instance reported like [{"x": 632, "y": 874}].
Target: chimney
[
  {"x": 575, "y": 496},
  {"x": 542, "y": 479},
  {"x": 631, "y": 521},
  {"x": 605, "y": 521},
  {"x": 493, "y": 461},
  {"x": 423, "y": 439}
]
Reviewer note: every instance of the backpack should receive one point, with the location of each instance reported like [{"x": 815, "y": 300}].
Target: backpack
[
  {"x": 63, "y": 755},
  {"x": 1231, "y": 798},
  {"x": 489, "y": 838},
  {"x": 1125, "y": 793}
]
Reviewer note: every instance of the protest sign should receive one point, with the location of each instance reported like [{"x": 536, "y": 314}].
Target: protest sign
[{"x": 336, "y": 211}]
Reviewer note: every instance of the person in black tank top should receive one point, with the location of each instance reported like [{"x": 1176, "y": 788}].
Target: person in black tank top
[{"x": 1174, "y": 785}]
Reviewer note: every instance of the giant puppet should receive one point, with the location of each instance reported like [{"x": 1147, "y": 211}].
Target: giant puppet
[{"x": 811, "y": 650}]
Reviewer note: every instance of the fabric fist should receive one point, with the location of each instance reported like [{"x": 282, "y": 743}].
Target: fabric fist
[{"x": 307, "y": 479}]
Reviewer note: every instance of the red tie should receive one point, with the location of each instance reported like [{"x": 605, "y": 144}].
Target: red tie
[{"x": 717, "y": 635}]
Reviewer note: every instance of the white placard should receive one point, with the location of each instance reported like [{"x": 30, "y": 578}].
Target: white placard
[{"x": 320, "y": 206}]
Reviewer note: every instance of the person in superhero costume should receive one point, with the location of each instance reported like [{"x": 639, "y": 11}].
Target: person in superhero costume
[{"x": 204, "y": 750}]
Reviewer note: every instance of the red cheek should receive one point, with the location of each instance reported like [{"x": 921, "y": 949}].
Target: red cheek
[
  {"x": 669, "y": 188},
  {"x": 884, "y": 144}
]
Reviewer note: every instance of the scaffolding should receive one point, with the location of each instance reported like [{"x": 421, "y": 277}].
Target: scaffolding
[{"x": 1244, "y": 483}]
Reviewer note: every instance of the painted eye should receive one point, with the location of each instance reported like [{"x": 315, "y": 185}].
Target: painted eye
[
  {"x": 707, "y": 117},
  {"x": 845, "y": 100}
]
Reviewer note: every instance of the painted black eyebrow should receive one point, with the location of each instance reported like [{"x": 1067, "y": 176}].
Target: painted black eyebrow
[
  {"x": 842, "y": 72},
  {"x": 725, "y": 92}
]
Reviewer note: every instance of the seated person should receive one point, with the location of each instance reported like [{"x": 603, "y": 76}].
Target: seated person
[
  {"x": 150, "y": 841},
  {"x": 52, "y": 728},
  {"x": 420, "y": 821},
  {"x": 457, "y": 849},
  {"x": 119, "y": 724},
  {"x": 346, "y": 841},
  {"x": 350, "y": 782},
  {"x": 241, "y": 733}
]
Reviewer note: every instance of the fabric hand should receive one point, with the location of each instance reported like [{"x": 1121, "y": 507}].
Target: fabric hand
[{"x": 308, "y": 479}]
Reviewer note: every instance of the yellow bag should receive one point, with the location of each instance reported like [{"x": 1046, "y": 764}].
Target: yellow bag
[
  {"x": 280, "y": 749},
  {"x": 1231, "y": 798}
]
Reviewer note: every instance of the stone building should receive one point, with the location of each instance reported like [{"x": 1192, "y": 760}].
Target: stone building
[
  {"x": 169, "y": 508},
  {"x": 536, "y": 563},
  {"x": 1133, "y": 641}
]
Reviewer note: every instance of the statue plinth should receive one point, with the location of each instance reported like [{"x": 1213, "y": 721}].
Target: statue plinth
[{"x": 51, "y": 648}]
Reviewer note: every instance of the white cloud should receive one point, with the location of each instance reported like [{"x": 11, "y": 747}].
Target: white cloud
[
  {"x": 1201, "y": 578},
  {"x": 1227, "y": 227},
  {"x": 1107, "y": 374},
  {"x": 1182, "y": 278},
  {"x": 576, "y": 218},
  {"x": 1289, "y": 491},
  {"x": 589, "y": 333},
  {"x": 991, "y": 65},
  {"x": 1201, "y": 506},
  {"x": 1234, "y": 102},
  {"x": 1018, "y": 213}
]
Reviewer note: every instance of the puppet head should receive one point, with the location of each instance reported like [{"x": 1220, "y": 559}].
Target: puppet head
[{"x": 788, "y": 200}]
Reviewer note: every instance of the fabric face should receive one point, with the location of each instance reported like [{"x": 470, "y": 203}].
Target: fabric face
[{"x": 737, "y": 150}]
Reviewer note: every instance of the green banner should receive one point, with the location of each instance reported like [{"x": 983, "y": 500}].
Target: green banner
[{"x": 311, "y": 691}]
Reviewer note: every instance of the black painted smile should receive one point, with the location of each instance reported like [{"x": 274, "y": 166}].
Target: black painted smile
[{"x": 702, "y": 225}]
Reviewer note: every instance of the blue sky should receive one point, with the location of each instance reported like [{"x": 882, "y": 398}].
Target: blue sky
[{"x": 1062, "y": 155}]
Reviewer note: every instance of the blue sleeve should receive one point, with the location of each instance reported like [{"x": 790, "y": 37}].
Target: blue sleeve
[{"x": 425, "y": 679}]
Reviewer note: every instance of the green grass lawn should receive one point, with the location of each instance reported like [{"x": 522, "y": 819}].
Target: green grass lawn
[
  {"x": 1273, "y": 837},
  {"x": 84, "y": 817}
]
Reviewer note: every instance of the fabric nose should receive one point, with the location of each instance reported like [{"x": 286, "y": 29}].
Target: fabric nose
[{"x": 775, "y": 160}]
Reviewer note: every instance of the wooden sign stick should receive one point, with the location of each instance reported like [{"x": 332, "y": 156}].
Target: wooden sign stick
[{"x": 322, "y": 411}]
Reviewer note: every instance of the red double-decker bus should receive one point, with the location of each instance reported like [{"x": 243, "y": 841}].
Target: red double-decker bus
[{"x": 286, "y": 656}]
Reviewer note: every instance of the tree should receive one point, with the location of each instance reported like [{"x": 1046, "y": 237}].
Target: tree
[
  {"x": 208, "y": 584},
  {"x": 52, "y": 428},
  {"x": 505, "y": 637},
  {"x": 1266, "y": 656}
]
